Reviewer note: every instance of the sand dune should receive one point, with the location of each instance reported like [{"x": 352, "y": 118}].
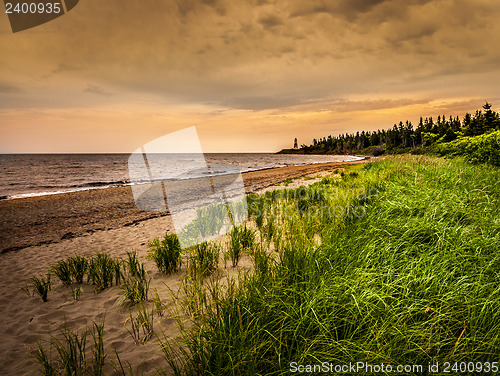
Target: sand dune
[{"x": 106, "y": 221}]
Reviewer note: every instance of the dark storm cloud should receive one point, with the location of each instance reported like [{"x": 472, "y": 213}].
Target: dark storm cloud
[
  {"x": 61, "y": 68},
  {"x": 6, "y": 88},
  {"x": 271, "y": 20},
  {"x": 259, "y": 103},
  {"x": 194, "y": 6},
  {"x": 352, "y": 8},
  {"x": 414, "y": 33},
  {"x": 93, "y": 89},
  {"x": 347, "y": 8},
  {"x": 344, "y": 105},
  {"x": 272, "y": 64},
  {"x": 336, "y": 105},
  {"x": 186, "y": 6},
  {"x": 251, "y": 54}
]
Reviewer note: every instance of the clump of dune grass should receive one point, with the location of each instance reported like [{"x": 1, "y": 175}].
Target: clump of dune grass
[
  {"x": 72, "y": 356},
  {"x": 136, "y": 282},
  {"x": 98, "y": 353},
  {"x": 405, "y": 273},
  {"x": 204, "y": 259},
  {"x": 76, "y": 353},
  {"x": 256, "y": 208},
  {"x": 62, "y": 270},
  {"x": 235, "y": 246},
  {"x": 142, "y": 325},
  {"x": 165, "y": 253},
  {"x": 43, "y": 358},
  {"x": 194, "y": 294},
  {"x": 136, "y": 289},
  {"x": 158, "y": 304},
  {"x": 134, "y": 267},
  {"x": 269, "y": 229},
  {"x": 247, "y": 238},
  {"x": 118, "y": 274},
  {"x": 102, "y": 270},
  {"x": 262, "y": 262},
  {"x": 70, "y": 270},
  {"x": 78, "y": 266},
  {"x": 76, "y": 292},
  {"x": 41, "y": 286}
]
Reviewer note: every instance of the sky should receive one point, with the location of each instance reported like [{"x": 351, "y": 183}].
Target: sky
[{"x": 110, "y": 76}]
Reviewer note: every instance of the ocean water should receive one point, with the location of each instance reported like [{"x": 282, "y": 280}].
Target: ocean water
[{"x": 24, "y": 175}]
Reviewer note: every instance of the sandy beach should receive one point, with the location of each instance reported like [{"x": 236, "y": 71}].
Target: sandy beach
[{"x": 38, "y": 231}]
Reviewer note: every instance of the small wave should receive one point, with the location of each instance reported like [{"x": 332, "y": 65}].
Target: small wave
[
  {"x": 92, "y": 184},
  {"x": 58, "y": 192},
  {"x": 52, "y": 189},
  {"x": 356, "y": 158},
  {"x": 104, "y": 183}
]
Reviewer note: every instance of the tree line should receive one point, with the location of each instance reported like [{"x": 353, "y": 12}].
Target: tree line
[{"x": 406, "y": 136}]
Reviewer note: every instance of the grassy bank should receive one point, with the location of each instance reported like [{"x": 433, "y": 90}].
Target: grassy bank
[
  {"x": 393, "y": 262},
  {"x": 483, "y": 149},
  {"x": 396, "y": 262}
]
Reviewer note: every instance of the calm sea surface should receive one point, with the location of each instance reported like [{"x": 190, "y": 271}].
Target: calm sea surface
[{"x": 24, "y": 175}]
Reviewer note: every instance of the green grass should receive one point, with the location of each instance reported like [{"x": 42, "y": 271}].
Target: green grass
[
  {"x": 480, "y": 149},
  {"x": 397, "y": 263},
  {"x": 235, "y": 247},
  {"x": 102, "y": 270},
  {"x": 136, "y": 282},
  {"x": 247, "y": 238},
  {"x": 41, "y": 286},
  {"x": 204, "y": 259},
  {"x": 194, "y": 294},
  {"x": 78, "y": 267},
  {"x": 62, "y": 270},
  {"x": 160, "y": 306},
  {"x": 240, "y": 239},
  {"x": 134, "y": 267},
  {"x": 70, "y": 270},
  {"x": 166, "y": 253},
  {"x": 76, "y": 292},
  {"x": 142, "y": 326},
  {"x": 209, "y": 222},
  {"x": 68, "y": 354},
  {"x": 83, "y": 352},
  {"x": 136, "y": 289}
]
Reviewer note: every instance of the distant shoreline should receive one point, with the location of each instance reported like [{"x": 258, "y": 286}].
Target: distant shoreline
[
  {"x": 47, "y": 219},
  {"x": 125, "y": 183}
]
